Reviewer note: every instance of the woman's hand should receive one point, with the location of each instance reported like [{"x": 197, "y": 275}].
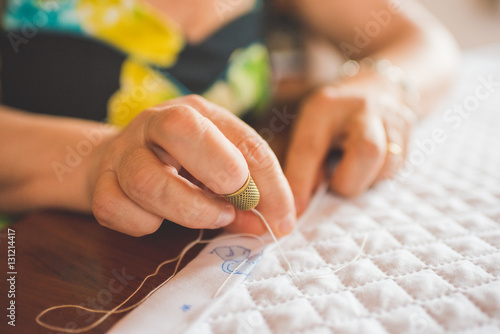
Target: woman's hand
[
  {"x": 138, "y": 179},
  {"x": 369, "y": 125}
]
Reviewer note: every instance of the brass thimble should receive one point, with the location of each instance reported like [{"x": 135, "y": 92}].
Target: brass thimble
[{"x": 247, "y": 197}]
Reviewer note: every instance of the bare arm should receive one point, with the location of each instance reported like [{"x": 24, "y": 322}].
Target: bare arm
[{"x": 45, "y": 160}]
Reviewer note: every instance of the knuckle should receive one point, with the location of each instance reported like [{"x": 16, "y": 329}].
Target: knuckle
[
  {"x": 142, "y": 116},
  {"x": 336, "y": 97},
  {"x": 203, "y": 106},
  {"x": 175, "y": 114},
  {"x": 369, "y": 148},
  {"x": 196, "y": 100},
  {"x": 257, "y": 152},
  {"x": 398, "y": 124},
  {"x": 184, "y": 121},
  {"x": 196, "y": 215},
  {"x": 145, "y": 184},
  {"x": 108, "y": 212},
  {"x": 201, "y": 218}
]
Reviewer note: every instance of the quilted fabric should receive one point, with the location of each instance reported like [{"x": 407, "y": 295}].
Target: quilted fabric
[{"x": 431, "y": 262}]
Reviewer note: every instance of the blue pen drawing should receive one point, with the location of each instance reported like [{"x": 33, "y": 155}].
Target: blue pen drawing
[
  {"x": 233, "y": 256},
  {"x": 185, "y": 308}
]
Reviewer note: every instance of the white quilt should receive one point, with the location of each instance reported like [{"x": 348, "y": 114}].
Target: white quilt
[{"x": 430, "y": 264}]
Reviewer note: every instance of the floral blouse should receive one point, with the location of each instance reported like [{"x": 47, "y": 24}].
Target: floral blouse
[{"x": 230, "y": 67}]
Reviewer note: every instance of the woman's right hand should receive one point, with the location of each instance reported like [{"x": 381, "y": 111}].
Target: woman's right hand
[{"x": 136, "y": 182}]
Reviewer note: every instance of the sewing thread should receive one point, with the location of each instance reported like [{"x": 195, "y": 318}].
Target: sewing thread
[{"x": 118, "y": 308}]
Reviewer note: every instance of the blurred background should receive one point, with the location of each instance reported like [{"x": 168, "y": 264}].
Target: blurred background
[{"x": 473, "y": 22}]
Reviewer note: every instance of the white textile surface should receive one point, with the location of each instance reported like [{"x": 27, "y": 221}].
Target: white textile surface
[{"x": 431, "y": 262}]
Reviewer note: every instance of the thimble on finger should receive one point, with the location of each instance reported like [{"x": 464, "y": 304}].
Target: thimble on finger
[{"x": 247, "y": 197}]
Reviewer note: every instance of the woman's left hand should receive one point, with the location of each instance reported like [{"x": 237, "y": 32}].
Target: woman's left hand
[{"x": 369, "y": 124}]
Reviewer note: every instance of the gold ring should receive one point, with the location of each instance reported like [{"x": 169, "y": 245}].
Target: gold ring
[
  {"x": 247, "y": 197},
  {"x": 394, "y": 148}
]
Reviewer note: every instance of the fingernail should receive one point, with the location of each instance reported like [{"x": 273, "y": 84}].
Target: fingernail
[
  {"x": 226, "y": 217},
  {"x": 287, "y": 224}
]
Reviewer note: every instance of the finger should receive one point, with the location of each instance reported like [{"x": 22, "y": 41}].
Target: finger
[
  {"x": 113, "y": 209},
  {"x": 199, "y": 147},
  {"x": 398, "y": 121},
  {"x": 364, "y": 154},
  {"x": 308, "y": 149},
  {"x": 311, "y": 140},
  {"x": 276, "y": 202},
  {"x": 159, "y": 189},
  {"x": 396, "y": 152}
]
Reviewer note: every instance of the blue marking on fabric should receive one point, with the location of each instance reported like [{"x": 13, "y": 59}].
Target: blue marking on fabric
[
  {"x": 233, "y": 256},
  {"x": 185, "y": 308}
]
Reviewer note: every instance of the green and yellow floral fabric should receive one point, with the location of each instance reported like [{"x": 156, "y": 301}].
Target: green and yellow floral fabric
[{"x": 152, "y": 44}]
